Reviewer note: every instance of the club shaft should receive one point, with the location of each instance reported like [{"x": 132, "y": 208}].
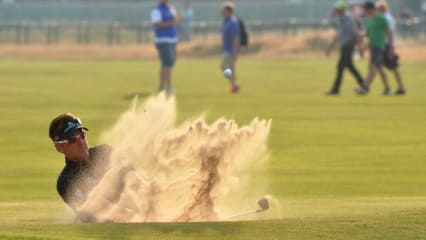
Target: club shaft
[{"x": 244, "y": 214}]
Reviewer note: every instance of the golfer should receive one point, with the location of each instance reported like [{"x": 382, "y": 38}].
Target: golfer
[
  {"x": 230, "y": 42},
  {"x": 84, "y": 168},
  {"x": 164, "y": 20},
  {"x": 347, "y": 36}
]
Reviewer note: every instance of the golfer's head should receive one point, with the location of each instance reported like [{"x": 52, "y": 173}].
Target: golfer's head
[
  {"x": 382, "y": 6},
  {"x": 340, "y": 7},
  {"x": 227, "y": 9},
  {"x": 370, "y": 8},
  {"x": 69, "y": 136}
]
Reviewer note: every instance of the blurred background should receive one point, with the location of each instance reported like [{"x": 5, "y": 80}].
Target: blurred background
[{"x": 124, "y": 22}]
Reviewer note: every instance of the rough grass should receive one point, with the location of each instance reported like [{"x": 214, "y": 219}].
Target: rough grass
[{"x": 344, "y": 167}]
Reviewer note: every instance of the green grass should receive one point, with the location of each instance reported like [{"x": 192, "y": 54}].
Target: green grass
[{"x": 344, "y": 167}]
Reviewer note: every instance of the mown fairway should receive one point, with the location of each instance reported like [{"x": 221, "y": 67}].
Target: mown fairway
[{"x": 346, "y": 167}]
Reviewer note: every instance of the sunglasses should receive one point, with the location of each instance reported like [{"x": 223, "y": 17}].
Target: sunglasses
[{"x": 81, "y": 133}]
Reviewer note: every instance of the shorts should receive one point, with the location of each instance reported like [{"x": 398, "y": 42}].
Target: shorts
[
  {"x": 167, "y": 53},
  {"x": 388, "y": 61},
  {"x": 227, "y": 61},
  {"x": 376, "y": 56}
]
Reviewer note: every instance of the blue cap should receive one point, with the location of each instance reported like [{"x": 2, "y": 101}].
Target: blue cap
[{"x": 68, "y": 130}]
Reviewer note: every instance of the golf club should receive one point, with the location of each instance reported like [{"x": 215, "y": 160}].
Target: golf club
[{"x": 263, "y": 204}]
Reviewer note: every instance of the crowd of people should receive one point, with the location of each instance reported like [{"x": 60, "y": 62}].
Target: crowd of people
[
  {"x": 373, "y": 30},
  {"x": 380, "y": 30}
]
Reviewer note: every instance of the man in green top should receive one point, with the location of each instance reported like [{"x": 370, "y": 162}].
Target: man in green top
[{"x": 378, "y": 32}]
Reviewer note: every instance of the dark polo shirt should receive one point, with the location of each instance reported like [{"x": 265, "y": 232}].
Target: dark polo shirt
[{"x": 77, "y": 179}]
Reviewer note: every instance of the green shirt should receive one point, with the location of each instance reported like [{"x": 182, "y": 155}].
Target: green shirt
[{"x": 377, "y": 31}]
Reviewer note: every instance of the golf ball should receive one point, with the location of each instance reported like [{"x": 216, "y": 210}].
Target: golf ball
[{"x": 227, "y": 73}]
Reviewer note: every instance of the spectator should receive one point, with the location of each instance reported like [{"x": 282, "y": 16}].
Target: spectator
[
  {"x": 378, "y": 33},
  {"x": 347, "y": 37},
  {"x": 164, "y": 19},
  {"x": 391, "y": 61},
  {"x": 230, "y": 42}
]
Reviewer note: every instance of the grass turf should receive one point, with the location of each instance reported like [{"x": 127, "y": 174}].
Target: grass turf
[{"x": 344, "y": 167}]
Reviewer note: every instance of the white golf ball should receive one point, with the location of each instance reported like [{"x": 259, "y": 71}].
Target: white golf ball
[{"x": 227, "y": 73}]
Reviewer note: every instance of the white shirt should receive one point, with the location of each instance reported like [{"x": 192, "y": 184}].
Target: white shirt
[
  {"x": 156, "y": 15},
  {"x": 392, "y": 26},
  {"x": 157, "y": 18}
]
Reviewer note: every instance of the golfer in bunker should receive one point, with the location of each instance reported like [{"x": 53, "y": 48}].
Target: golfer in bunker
[
  {"x": 100, "y": 185},
  {"x": 84, "y": 168}
]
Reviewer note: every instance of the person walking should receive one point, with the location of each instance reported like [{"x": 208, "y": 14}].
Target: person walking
[
  {"x": 377, "y": 32},
  {"x": 347, "y": 37},
  {"x": 230, "y": 43},
  {"x": 391, "y": 61}
]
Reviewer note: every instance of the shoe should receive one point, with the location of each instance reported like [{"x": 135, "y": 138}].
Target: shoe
[
  {"x": 332, "y": 93},
  {"x": 235, "y": 89},
  {"x": 361, "y": 90},
  {"x": 386, "y": 92},
  {"x": 400, "y": 91}
]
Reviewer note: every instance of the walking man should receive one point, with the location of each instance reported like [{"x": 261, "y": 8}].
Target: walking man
[
  {"x": 164, "y": 19},
  {"x": 230, "y": 42},
  {"x": 377, "y": 31},
  {"x": 391, "y": 62},
  {"x": 347, "y": 36}
]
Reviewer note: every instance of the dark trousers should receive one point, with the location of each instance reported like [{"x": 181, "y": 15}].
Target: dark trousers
[{"x": 346, "y": 61}]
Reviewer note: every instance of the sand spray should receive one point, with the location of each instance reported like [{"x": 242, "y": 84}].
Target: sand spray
[{"x": 197, "y": 171}]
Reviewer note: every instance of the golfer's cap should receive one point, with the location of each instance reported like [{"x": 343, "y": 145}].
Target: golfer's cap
[
  {"x": 229, "y": 5},
  {"x": 340, "y": 5},
  {"x": 63, "y": 127},
  {"x": 382, "y": 3}
]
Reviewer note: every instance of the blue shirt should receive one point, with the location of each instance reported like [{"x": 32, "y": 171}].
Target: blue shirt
[
  {"x": 164, "y": 13},
  {"x": 230, "y": 31}
]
